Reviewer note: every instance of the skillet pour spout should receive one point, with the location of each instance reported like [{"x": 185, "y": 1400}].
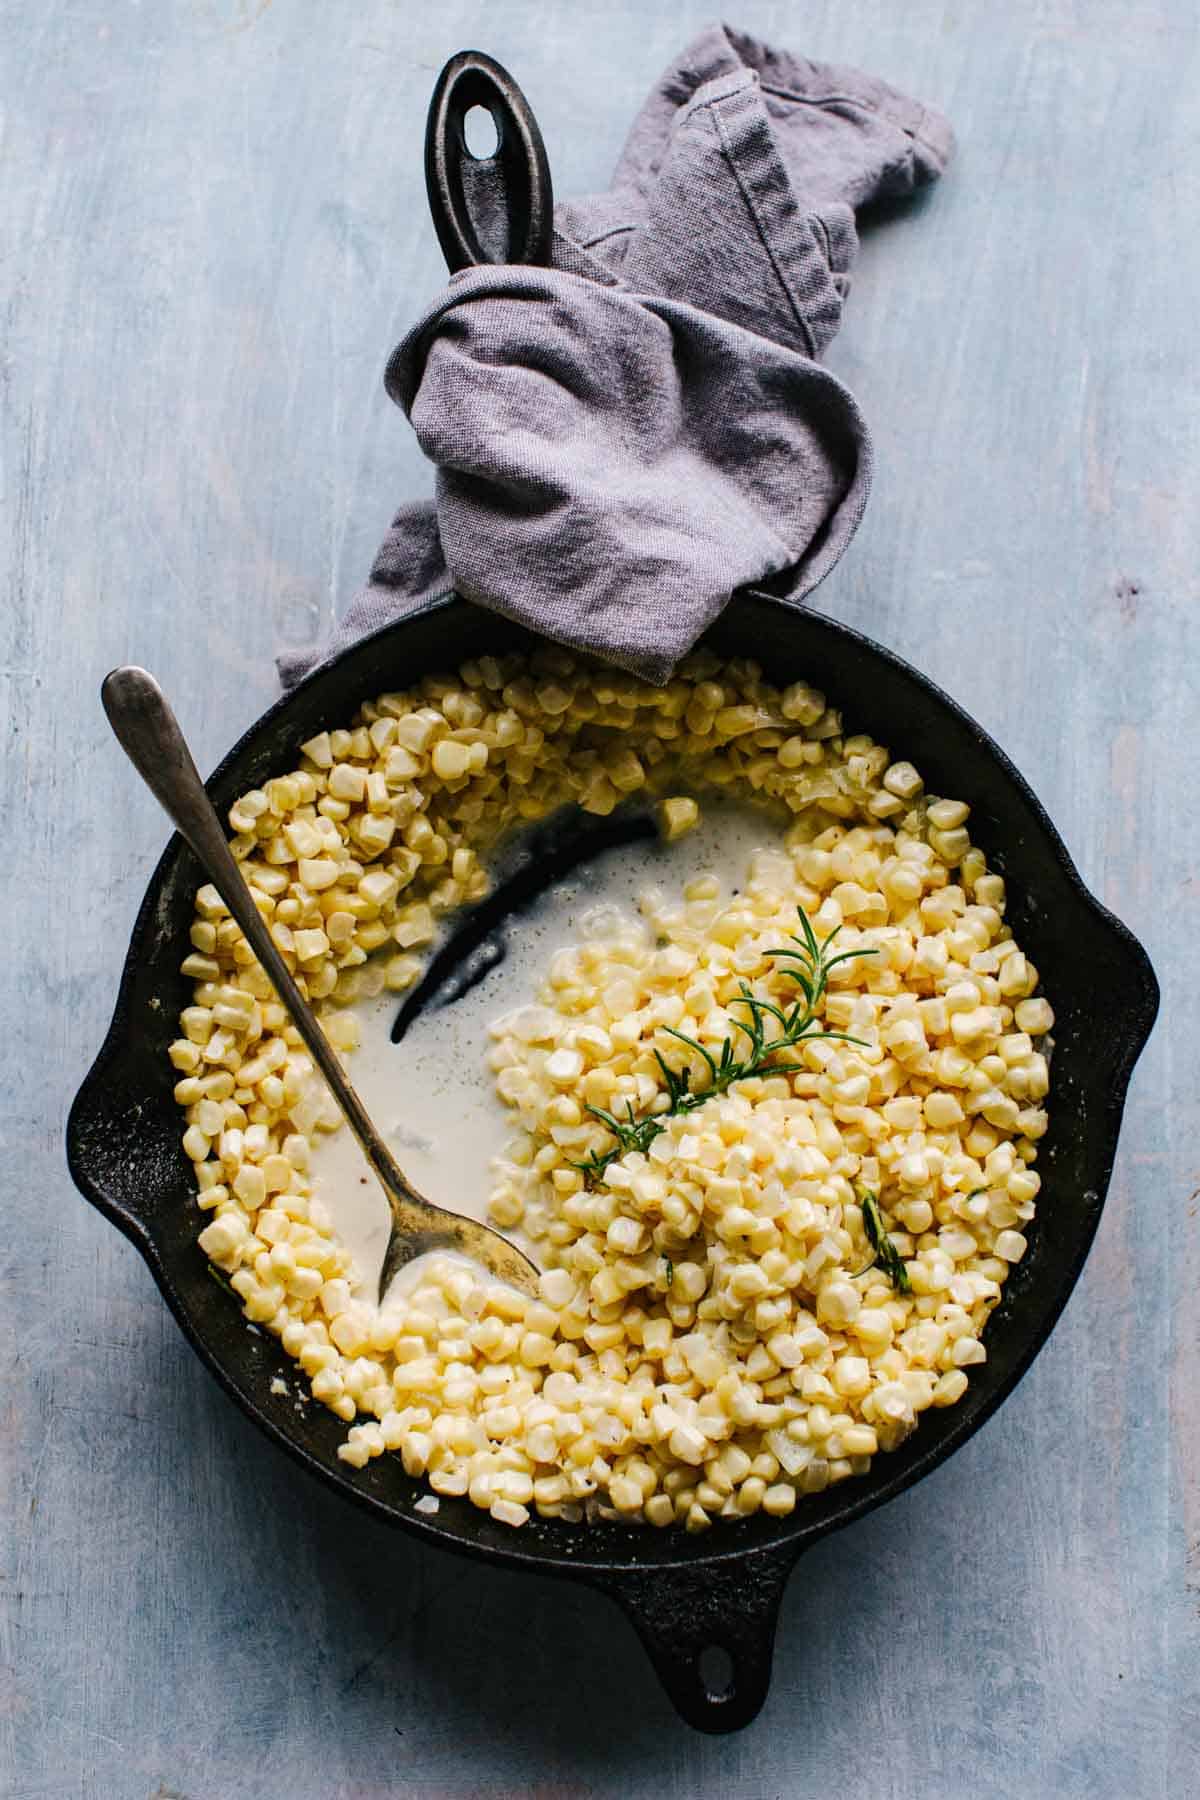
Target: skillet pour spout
[{"x": 704, "y": 1608}]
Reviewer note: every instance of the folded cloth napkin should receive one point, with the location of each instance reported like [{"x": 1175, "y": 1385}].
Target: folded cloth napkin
[{"x": 626, "y": 437}]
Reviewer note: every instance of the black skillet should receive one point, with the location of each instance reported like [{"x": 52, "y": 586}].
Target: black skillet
[{"x": 685, "y": 1595}]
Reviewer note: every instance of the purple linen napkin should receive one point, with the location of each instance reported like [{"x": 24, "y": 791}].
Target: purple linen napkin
[{"x": 623, "y": 439}]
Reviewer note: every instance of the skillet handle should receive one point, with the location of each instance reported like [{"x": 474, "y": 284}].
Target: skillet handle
[
  {"x": 112, "y": 1109},
  {"x": 511, "y": 187},
  {"x": 709, "y": 1632}
]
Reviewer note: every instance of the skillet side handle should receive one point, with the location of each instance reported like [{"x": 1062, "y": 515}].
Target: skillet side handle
[
  {"x": 105, "y": 1113},
  {"x": 709, "y": 1632}
]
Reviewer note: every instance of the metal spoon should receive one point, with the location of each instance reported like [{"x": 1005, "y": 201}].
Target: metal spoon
[{"x": 149, "y": 733}]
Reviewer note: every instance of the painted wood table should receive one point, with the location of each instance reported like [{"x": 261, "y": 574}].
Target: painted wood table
[{"x": 213, "y": 231}]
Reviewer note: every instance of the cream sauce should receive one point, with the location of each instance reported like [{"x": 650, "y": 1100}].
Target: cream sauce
[{"x": 433, "y": 1096}]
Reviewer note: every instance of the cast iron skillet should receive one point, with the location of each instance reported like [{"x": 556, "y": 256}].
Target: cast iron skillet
[{"x": 683, "y": 1594}]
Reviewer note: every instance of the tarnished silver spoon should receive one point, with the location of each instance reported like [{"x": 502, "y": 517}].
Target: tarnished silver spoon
[{"x": 149, "y": 733}]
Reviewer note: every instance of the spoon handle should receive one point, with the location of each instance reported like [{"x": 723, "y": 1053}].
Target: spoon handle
[{"x": 149, "y": 734}]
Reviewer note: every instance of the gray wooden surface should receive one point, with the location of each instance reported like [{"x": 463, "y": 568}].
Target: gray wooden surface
[{"x": 212, "y": 231}]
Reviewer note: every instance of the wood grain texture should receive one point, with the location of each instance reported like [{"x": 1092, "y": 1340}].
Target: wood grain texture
[{"x": 213, "y": 232}]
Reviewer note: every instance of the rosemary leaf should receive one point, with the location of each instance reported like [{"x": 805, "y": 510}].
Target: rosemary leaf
[
  {"x": 887, "y": 1257},
  {"x": 222, "y": 1280}
]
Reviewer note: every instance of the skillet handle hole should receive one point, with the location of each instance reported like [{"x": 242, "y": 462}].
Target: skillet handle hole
[
  {"x": 716, "y": 1672},
  {"x": 481, "y": 134}
]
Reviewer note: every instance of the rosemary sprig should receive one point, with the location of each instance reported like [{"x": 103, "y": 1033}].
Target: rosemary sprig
[
  {"x": 808, "y": 963},
  {"x": 887, "y": 1257}
]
